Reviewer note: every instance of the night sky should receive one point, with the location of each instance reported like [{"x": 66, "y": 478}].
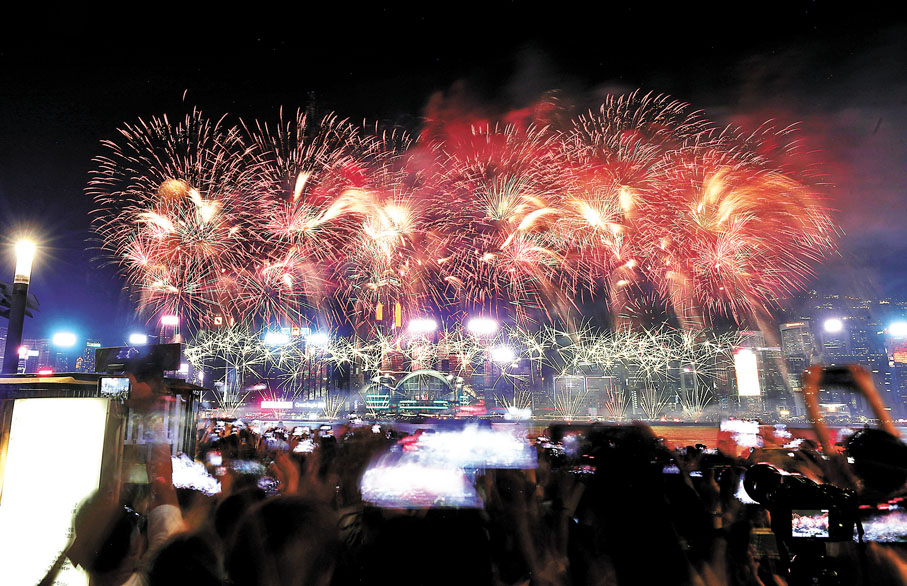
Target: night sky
[{"x": 68, "y": 83}]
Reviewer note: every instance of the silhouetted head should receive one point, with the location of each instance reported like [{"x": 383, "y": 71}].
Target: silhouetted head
[
  {"x": 879, "y": 459},
  {"x": 284, "y": 541}
]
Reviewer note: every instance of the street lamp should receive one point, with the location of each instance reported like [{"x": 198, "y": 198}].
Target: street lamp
[
  {"x": 482, "y": 326},
  {"x": 422, "y": 325},
  {"x": 25, "y": 254},
  {"x": 898, "y": 329},
  {"x": 138, "y": 339},
  {"x": 17, "y": 299},
  {"x": 64, "y": 339}
]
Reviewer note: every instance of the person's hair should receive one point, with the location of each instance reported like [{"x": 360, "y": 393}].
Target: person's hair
[
  {"x": 104, "y": 535},
  {"x": 284, "y": 541},
  {"x": 185, "y": 559},
  {"x": 879, "y": 458},
  {"x": 229, "y": 512}
]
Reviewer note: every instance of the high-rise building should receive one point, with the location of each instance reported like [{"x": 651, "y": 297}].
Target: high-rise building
[
  {"x": 835, "y": 342},
  {"x": 37, "y": 354},
  {"x": 725, "y": 382},
  {"x": 772, "y": 378},
  {"x": 852, "y": 330},
  {"x": 61, "y": 362},
  {"x": 85, "y": 362},
  {"x": 751, "y": 339},
  {"x": 883, "y": 377},
  {"x": 798, "y": 348},
  {"x": 896, "y": 352},
  {"x": 797, "y": 339}
]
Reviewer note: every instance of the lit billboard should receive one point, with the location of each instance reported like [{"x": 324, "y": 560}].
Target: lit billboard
[
  {"x": 747, "y": 368},
  {"x": 899, "y": 351},
  {"x": 45, "y": 479}
]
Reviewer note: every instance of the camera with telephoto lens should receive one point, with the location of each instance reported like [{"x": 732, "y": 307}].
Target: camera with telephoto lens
[{"x": 802, "y": 510}]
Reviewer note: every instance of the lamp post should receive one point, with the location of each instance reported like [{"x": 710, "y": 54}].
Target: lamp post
[{"x": 18, "y": 298}]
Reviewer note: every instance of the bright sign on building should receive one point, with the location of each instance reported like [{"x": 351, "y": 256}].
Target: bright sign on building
[
  {"x": 899, "y": 351},
  {"x": 747, "y": 369},
  {"x": 277, "y": 404}
]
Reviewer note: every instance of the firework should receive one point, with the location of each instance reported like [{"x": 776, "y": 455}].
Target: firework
[
  {"x": 172, "y": 210},
  {"x": 643, "y": 203},
  {"x": 496, "y": 199},
  {"x": 236, "y": 349},
  {"x": 648, "y": 369}
]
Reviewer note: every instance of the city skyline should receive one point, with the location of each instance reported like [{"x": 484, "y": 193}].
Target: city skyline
[{"x": 831, "y": 329}]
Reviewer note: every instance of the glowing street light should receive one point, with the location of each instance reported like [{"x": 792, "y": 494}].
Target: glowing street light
[
  {"x": 482, "y": 326},
  {"x": 422, "y": 325},
  {"x": 833, "y": 325},
  {"x": 898, "y": 329},
  {"x": 64, "y": 339},
  {"x": 18, "y": 301},
  {"x": 138, "y": 339},
  {"x": 25, "y": 254}
]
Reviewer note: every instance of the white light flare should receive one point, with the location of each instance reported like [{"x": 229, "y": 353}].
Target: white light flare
[
  {"x": 422, "y": 326},
  {"x": 482, "y": 326}
]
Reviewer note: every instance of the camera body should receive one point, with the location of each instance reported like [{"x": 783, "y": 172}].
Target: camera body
[{"x": 803, "y": 510}]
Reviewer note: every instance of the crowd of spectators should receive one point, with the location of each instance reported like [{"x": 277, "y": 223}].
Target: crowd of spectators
[{"x": 618, "y": 507}]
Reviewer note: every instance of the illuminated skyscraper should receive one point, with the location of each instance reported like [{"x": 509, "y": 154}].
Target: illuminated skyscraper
[
  {"x": 797, "y": 339},
  {"x": 38, "y": 354},
  {"x": 85, "y": 362}
]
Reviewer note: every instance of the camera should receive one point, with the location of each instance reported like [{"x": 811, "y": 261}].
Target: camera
[{"x": 802, "y": 510}]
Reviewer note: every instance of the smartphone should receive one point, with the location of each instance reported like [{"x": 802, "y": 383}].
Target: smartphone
[
  {"x": 837, "y": 377},
  {"x": 305, "y": 446},
  {"x": 114, "y": 387},
  {"x": 670, "y": 469},
  {"x": 404, "y": 481}
]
